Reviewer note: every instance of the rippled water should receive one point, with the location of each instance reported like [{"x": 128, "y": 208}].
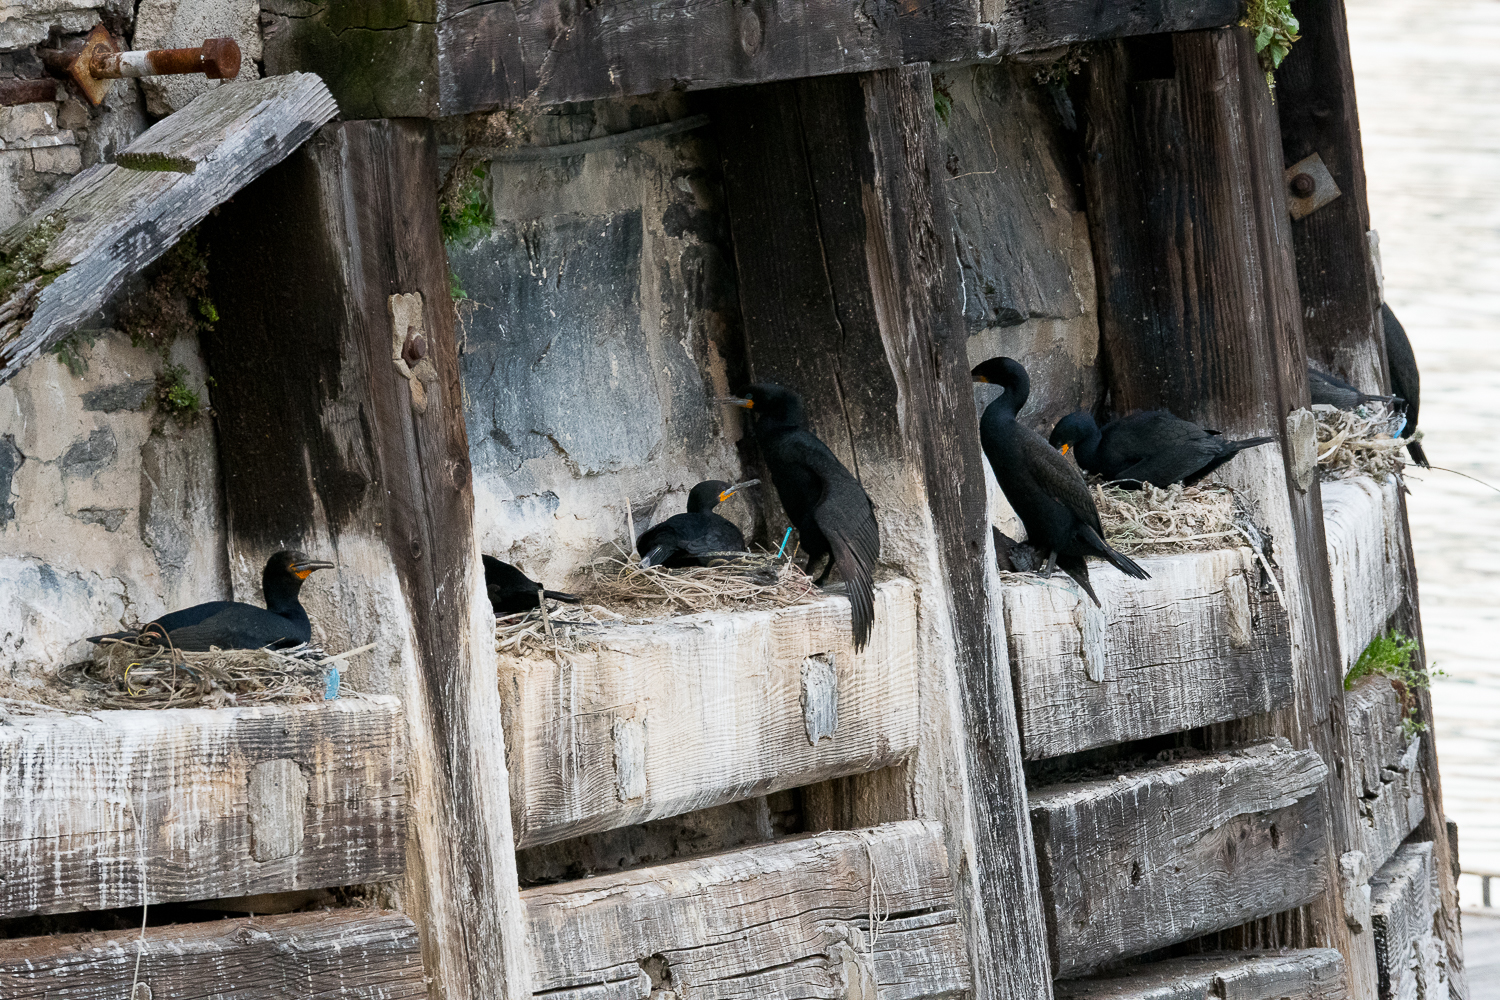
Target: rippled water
[{"x": 1428, "y": 80}]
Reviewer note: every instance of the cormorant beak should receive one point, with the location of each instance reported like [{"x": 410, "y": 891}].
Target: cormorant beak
[
  {"x": 302, "y": 570},
  {"x": 981, "y": 378},
  {"x": 736, "y": 488},
  {"x": 1064, "y": 448},
  {"x": 736, "y": 401}
]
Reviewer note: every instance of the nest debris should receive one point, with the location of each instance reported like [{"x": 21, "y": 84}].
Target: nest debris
[
  {"x": 1360, "y": 442},
  {"x": 1153, "y": 520}
]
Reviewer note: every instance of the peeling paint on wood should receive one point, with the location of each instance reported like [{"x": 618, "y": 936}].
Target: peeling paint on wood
[
  {"x": 820, "y": 697},
  {"x": 278, "y": 803}
]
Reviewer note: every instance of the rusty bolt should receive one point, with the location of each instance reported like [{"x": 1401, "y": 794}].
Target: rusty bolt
[
  {"x": 216, "y": 58},
  {"x": 414, "y": 350},
  {"x": 1303, "y": 185},
  {"x": 27, "y": 91}
]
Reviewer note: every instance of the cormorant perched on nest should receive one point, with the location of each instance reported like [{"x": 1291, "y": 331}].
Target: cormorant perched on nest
[
  {"x": 512, "y": 591},
  {"x": 1404, "y": 379},
  {"x": 687, "y": 539},
  {"x": 1045, "y": 489},
  {"x": 829, "y": 507},
  {"x": 1330, "y": 390},
  {"x": 1153, "y": 447},
  {"x": 232, "y": 625}
]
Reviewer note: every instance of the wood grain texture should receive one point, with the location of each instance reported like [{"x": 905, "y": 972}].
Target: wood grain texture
[
  {"x": 124, "y": 808},
  {"x": 786, "y": 920},
  {"x": 713, "y": 708},
  {"x": 1178, "y": 849},
  {"x": 118, "y": 220},
  {"x": 1385, "y": 768},
  {"x": 1200, "y": 642},
  {"x": 1312, "y": 974},
  {"x": 1366, "y": 560},
  {"x": 1404, "y": 897},
  {"x": 325, "y": 450},
  {"x": 347, "y": 953}
]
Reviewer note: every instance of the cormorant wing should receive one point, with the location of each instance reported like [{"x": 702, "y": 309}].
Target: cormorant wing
[
  {"x": 1058, "y": 477},
  {"x": 847, "y": 519}
]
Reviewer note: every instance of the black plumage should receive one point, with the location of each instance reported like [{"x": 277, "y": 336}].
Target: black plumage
[
  {"x": 1152, "y": 447},
  {"x": 1330, "y": 390},
  {"x": 512, "y": 591},
  {"x": 1405, "y": 382},
  {"x": 687, "y": 539},
  {"x": 830, "y": 509},
  {"x": 1044, "y": 487},
  {"x": 281, "y": 623}
]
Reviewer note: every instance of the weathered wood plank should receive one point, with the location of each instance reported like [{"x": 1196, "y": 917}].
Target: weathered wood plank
[
  {"x": 786, "y": 920},
  {"x": 348, "y": 953},
  {"x": 1403, "y": 900},
  {"x": 1178, "y": 849},
  {"x": 125, "y": 808},
  {"x": 116, "y": 220},
  {"x": 1385, "y": 772},
  {"x": 705, "y": 710},
  {"x": 1313, "y": 974},
  {"x": 1361, "y": 520},
  {"x": 1200, "y": 642}
]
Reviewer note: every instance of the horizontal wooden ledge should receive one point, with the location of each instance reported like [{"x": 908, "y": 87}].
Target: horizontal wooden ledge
[
  {"x": 122, "y": 808},
  {"x": 1200, "y": 642},
  {"x": 346, "y": 953},
  {"x": 1366, "y": 557},
  {"x": 1312, "y": 974},
  {"x": 1178, "y": 849},
  {"x": 481, "y": 55},
  {"x": 707, "y": 709},
  {"x": 785, "y": 919},
  {"x": 1410, "y": 958},
  {"x": 1387, "y": 783}
]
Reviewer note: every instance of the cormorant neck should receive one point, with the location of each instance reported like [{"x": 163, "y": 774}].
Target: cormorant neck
[
  {"x": 701, "y": 505},
  {"x": 1088, "y": 447},
  {"x": 281, "y": 595}
]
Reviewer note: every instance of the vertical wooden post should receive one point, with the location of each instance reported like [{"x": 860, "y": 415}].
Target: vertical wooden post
[
  {"x": 849, "y": 291},
  {"x": 341, "y": 432},
  {"x": 1199, "y": 313},
  {"x": 1316, "y": 106}
]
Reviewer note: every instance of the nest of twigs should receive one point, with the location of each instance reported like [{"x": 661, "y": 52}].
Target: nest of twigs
[
  {"x": 1180, "y": 518},
  {"x": 554, "y": 628},
  {"x": 744, "y": 581},
  {"x": 1360, "y": 442},
  {"x": 125, "y": 675}
]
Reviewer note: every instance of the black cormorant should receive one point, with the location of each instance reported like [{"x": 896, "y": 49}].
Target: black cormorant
[
  {"x": 512, "y": 591},
  {"x": 1404, "y": 379},
  {"x": 829, "y": 507},
  {"x": 685, "y": 539},
  {"x": 1153, "y": 447},
  {"x": 232, "y": 625},
  {"x": 1044, "y": 488},
  {"x": 1330, "y": 390}
]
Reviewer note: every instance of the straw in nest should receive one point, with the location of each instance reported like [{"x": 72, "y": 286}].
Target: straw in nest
[
  {"x": 1360, "y": 442},
  {"x": 739, "y": 580},
  {"x": 1177, "y": 519}
]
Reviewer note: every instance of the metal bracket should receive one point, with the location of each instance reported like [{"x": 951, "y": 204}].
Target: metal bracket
[
  {"x": 100, "y": 61},
  {"x": 1309, "y": 186},
  {"x": 409, "y": 346}
]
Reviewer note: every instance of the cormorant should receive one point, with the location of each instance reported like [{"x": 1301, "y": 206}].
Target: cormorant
[
  {"x": 829, "y": 507},
  {"x": 232, "y": 625},
  {"x": 1330, "y": 390},
  {"x": 512, "y": 591},
  {"x": 1044, "y": 488},
  {"x": 1404, "y": 379},
  {"x": 1153, "y": 447},
  {"x": 685, "y": 539}
]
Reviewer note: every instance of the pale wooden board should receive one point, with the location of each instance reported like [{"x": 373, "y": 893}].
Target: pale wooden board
[
  {"x": 1385, "y": 772},
  {"x": 117, "y": 220},
  {"x": 354, "y": 953},
  {"x": 120, "y": 808},
  {"x": 1198, "y": 643},
  {"x": 1176, "y": 850},
  {"x": 1362, "y": 522},
  {"x": 705, "y": 710},
  {"x": 1403, "y": 900},
  {"x": 783, "y": 920},
  {"x": 1314, "y": 974}
]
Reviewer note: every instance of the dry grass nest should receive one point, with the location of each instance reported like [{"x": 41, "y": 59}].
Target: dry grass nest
[
  {"x": 1180, "y": 518},
  {"x": 124, "y": 675},
  {"x": 621, "y": 592},
  {"x": 1359, "y": 442}
]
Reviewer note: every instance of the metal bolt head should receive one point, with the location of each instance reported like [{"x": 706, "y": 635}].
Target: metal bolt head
[
  {"x": 221, "y": 58},
  {"x": 1303, "y": 185},
  {"x": 414, "y": 349}
]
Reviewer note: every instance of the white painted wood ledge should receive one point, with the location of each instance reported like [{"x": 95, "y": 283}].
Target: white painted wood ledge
[
  {"x": 122, "y": 808},
  {"x": 1198, "y": 643},
  {"x": 706, "y": 709},
  {"x": 1366, "y": 556}
]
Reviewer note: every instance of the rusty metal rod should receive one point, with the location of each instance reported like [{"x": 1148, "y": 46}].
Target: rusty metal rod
[{"x": 216, "y": 58}]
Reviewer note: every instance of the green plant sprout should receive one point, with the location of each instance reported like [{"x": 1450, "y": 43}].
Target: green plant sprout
[
  {"x": 1391, "y": 656},
  {"x": 1275, "y": 30}
]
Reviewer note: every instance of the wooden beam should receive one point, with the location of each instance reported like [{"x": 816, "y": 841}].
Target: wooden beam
[
  {"x": 421, "y": 58},
  {"x": 787, "y": 919},
  {"x": 1313, "y": 974},
  {"x": 340, "y": 427},
  {"x": 1361, "y": 520},
  {"x": 1172, "y": 851},
  {"x": 1403, "y": 899},
  {"x": 94, "y": 809},
  {"x": 706, "y": 710},
  {"x": 113, "y": 219},
  {"x": 847, "y": 295},
  {"x": 357, "y": 953},
  {"x": 1385, "y": 774},
  {"x": 1200, "y": 642}
]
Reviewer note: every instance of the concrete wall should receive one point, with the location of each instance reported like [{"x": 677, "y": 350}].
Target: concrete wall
[{"x": 603, "y": 321}]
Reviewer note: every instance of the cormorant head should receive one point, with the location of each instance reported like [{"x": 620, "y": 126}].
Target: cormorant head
[
  {"x": 772, "y": 404},
  {"x": 1008, "y": 374},
  {"x": 292, "y": 565},
  {"x": 1074, "y": 430},
  {"x": 711, "y": 492}
]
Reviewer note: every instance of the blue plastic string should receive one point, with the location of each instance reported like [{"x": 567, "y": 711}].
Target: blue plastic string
[{"x": 784, "y": 539}]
